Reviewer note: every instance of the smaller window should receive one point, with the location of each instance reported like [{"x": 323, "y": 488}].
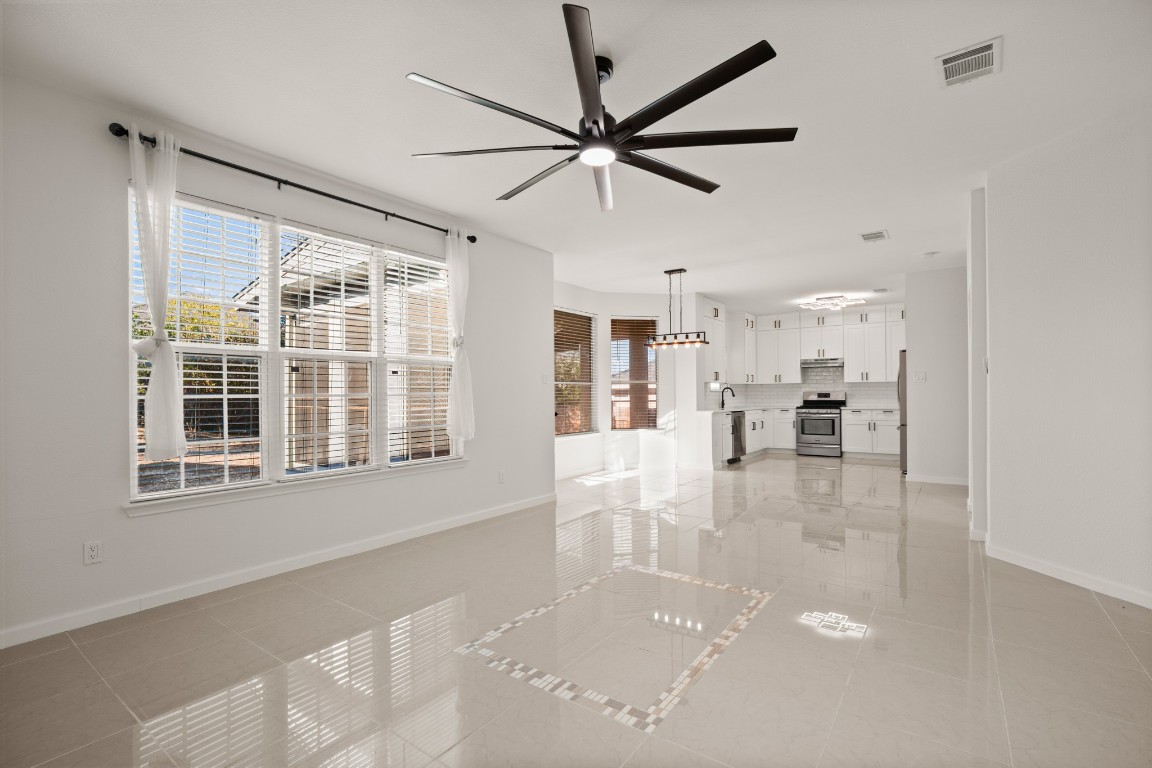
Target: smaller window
[
  {"x": 573, "y": 373},
  {"x": 633, "y": 374}
]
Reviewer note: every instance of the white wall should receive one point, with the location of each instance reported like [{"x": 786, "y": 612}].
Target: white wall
[
  {"x": 977, "y": 372},
  {"x": 937, "y": 342},
  {"x": 1069, "y": 313},
  {"x": 605, "y": 448},
  {"x": 65, "y": 409}
]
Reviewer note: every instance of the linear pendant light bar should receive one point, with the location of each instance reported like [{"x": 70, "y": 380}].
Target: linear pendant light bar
[
  {"x": 118, "y": 130},
  {"x": 680, "y": 338}
]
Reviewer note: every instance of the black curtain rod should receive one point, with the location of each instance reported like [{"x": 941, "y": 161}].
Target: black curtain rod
[{"x": 121, "y": 132}]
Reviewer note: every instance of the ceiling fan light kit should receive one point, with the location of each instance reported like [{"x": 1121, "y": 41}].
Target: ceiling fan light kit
[{"x": 600, "y": 140}]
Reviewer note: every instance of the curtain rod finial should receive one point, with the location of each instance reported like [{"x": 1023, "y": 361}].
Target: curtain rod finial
[
  {"x": 471, "y": 238},
  {"x": 117, "y": 130}
]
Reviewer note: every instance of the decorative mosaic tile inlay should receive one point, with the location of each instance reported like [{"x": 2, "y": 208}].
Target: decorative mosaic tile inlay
[
  {"x": 837, "y": 622},
  {"x": 642, "y": 718}
]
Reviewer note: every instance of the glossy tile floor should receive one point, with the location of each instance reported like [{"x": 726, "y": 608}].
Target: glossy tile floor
[{"x": 787, "y": 612}]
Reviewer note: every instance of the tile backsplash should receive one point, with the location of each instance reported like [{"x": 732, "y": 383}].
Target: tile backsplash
[{"x": 872, "y": 394}]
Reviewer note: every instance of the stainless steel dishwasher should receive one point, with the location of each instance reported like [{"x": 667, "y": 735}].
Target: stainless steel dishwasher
[{"x": 737, "y": 436}]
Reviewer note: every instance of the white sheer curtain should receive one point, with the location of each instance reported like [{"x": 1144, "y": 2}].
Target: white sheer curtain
[
  {"x": 155, "y": 194},
  {"x": 461, "y": 417}
]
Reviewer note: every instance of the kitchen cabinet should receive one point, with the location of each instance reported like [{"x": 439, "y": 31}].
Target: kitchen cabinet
[
  {"x": 778, "y": 356},
  {"x": 894, "y": 313},
  {"x": 870, "y": 430},
  {"x": 821, "y": 342},
  {"x": 783, "y": 428},
  {"x": 886, "y": 432},
  {"x": 715, "y": 351},
  {"x": 782, "y": 322},
  {"x": 893, "y": 344},
  {"x": 710, "y": 309},
  {"x": 862, "y": 315},
  {"x": 821, "y": 318},
  {"x": 755, "y": 436},
  {"x": 865, "y": 356},
  {"x": 750, "y": 348}
]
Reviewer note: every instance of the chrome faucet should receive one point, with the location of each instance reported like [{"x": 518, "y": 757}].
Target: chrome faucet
[{"x": 726, "y": 389}]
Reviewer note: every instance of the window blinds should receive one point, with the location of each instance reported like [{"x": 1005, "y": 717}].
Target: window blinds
[
  {"x": 218, "y": 321},
  {"x": 574, "y": 372},
  {"x": 633, "y": 374}
]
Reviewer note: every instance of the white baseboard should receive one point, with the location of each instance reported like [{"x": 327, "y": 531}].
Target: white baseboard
[
  {"x": 936, "y": 479},
  {"x": 1072, "y": 576},
  {"x": 34, "y": 630},
  {"x": 974, "y": 534},
  {"x": 583, "y": 471}
]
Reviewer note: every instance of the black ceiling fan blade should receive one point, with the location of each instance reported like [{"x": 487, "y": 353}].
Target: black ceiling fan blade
[
  {"x": 708, "y": 138},
  {"x": 660, "y": 168},
  {"x": 722, "y": 74},
  {"x": 417, "y": 78},
  {"x": 494, "y": 150},
  {"x": 579, "y": 25},
  {"x": 538, "y": 177},
  {"x": 603, "y": 186}
]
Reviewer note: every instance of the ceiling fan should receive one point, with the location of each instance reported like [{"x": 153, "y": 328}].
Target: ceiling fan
[{"x": 600, "y": 139}]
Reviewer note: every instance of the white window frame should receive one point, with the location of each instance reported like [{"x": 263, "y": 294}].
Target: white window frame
[{"x": 272, "y": 359}]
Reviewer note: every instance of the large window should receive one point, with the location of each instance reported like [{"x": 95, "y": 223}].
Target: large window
[
  {"x": 633, "y": 374},
  {"x": 354, "y": 376},
  {"x": 575, "y": 380}
]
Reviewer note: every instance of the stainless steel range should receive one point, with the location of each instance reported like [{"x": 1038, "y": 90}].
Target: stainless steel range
[{"x": 818, "y": 424}]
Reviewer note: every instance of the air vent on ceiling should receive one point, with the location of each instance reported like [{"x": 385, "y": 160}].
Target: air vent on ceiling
[
  {"x": 873, "y": 237},
  {"x": 972, "y": 62}
]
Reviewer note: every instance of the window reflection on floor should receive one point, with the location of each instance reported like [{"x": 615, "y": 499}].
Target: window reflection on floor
[{"x": 326, "y": 707}]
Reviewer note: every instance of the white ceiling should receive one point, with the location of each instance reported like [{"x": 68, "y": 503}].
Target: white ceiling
[{"x": 881, "y": 144}]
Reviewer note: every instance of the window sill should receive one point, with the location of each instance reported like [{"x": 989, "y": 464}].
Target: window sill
[{"x": 145, "y": 507}]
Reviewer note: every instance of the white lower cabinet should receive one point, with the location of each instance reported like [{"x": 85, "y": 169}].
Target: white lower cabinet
[
  {"x": 783, "y": 428},
  {"x": 756, "y": 438},
  {"x": 870, "y": 430}
]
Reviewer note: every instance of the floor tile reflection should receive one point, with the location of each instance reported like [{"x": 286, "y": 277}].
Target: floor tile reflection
[{"x": 645, "y": 618}]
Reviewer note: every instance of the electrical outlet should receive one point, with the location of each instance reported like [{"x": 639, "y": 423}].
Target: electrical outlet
[
  {"x": 500, "y": 476},
  {"x": 920, "y": 377},
  {"x": 93, "y": 552}
]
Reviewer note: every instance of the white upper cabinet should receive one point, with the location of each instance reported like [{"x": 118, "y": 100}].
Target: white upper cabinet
[
  {"x": 821, "y": 317},
  {"x": 895, "y": 313},
  {"x": 778, "y": 322},
  {"x": 821, "y": 342},
  {"x": 715, "y": 351},
  {"x": 864, "y": 353},
  {"x": 712, "y": 309},
  {"x": 862, "y": 313},
  {"x": 893, "y": 344},
  {"x": 778, "y": 357},
  {"x": 750, "y": 349}
]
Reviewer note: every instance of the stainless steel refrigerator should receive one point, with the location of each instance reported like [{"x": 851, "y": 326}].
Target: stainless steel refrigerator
[{"x": 902, "y": 398}]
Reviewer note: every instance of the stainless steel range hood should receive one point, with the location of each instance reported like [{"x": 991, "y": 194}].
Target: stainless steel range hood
[{"x": 823, "y": 362}]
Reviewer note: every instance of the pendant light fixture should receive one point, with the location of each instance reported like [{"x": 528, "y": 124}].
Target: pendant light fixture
[{"x": 679, "y": 338}]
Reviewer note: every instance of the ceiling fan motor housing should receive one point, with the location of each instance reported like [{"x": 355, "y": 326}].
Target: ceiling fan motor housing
[
  {"x": 604, "y": 68},
  {"x": 609, "y": 126}
]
